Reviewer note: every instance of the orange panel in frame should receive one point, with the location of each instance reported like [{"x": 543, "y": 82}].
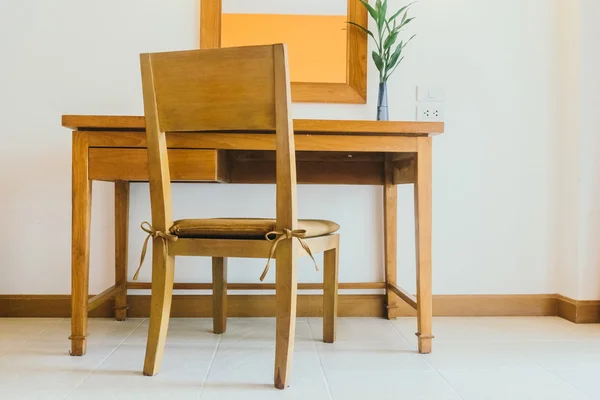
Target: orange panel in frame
[
  {"x": 316, "y": 43},
  {"x": 353, "y": 90}
]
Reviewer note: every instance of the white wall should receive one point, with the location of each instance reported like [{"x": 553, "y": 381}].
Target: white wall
[
  {"x": 495, "y": 183},
  {"x": 577, "y": 155},
  {"x": 567, "y": 148},
  {"x": 589, "y": 267}
]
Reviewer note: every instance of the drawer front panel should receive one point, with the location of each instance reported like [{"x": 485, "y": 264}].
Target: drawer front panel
[{"x": 119, "y": 164}]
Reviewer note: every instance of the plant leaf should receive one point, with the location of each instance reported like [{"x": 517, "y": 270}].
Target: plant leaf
[
  {"x": 382, "y": 11},
  {"x": 390, "y": 40},
  {"x": 387, "y": 75},
  {"x": 411, "y": 38},
  {"x": 378, "y": 61},
  {"x": 395, "y": 58},
  {"x": 389, "y": 30},
  {"x": 371, "y": 10},
  {"x": 405, "y": 22},
  {"x": 403, "y": 18},
  {"x": 368, "y": 32},
  {"x": 395, "y": 55},
  {"x": 400, "y": 11}
]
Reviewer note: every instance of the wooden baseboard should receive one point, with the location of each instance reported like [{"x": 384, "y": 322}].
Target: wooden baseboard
[
  {"x": 308, "y": 305},
  {"x": 494, "y": 305},
  {"x": 192, "y": 306},
  {"x": 578, "y": 311},
  {"x": 46, "y": 306}
]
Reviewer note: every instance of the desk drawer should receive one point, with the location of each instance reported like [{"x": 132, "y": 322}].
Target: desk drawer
[{"x": 119, "y": 164}]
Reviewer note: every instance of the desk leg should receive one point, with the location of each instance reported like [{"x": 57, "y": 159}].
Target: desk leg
[
  {"x": 121, "y": 244},
  {"x": 423, "y": 243},
  {"x": 390, "y": 228},
  {"x": 80, "y": 236}
]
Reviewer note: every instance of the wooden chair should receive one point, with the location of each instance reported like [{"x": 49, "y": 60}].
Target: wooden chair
[{"x": 229, "y": 89}]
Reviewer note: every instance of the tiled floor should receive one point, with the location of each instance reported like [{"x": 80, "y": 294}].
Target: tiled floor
[{"x": 473, "y": 358}]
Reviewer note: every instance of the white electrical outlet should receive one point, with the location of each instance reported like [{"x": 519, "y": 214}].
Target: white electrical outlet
[
  {"x": 430, "y": 106},
  {"x": 430, "y": 111},
  {"x": 430, "y": 93}
]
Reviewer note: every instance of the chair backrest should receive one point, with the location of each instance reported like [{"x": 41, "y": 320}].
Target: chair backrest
[{"x": 229, "y": 89}]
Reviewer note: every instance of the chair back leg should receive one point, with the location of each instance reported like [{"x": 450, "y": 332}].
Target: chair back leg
[{"x": 286, "y": 287}]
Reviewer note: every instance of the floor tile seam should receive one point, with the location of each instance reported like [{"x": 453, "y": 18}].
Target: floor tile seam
[
  {"x": 446, "y": 381},
  {"x": 428, "y": 364},
  {"x": 401, "y": 335},
  {"x": 38, "y": 334},
  {"x": 566, "y": 381},
  {"x": 212, "y": 361},
  {"x": 103, "y": 360},
  {"x": 320, "y": 360}
]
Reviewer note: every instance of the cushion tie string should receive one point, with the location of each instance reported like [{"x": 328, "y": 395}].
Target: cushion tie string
[
  {"x": 153, "y": 233},
  {"x": 278, "y": 236}
]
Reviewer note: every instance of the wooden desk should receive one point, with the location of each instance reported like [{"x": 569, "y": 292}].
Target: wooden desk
[{"x": 112, "y": 148}]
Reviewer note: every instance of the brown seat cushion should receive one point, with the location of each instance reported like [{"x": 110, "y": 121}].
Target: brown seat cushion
[{"x": 244, "y": 228}]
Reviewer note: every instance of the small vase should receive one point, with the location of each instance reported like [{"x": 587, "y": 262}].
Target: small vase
[{"x": 382, "y": 103}]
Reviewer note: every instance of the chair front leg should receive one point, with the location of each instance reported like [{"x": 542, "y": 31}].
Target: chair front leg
[
  {"x": 330, "y": 293},
  {"x": 163, "y": 271},
  {"x": 219, "y": 278},
  {"x": 286, "y": 287}
]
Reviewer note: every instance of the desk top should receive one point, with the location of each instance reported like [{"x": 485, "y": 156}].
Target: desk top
[{"x": 305, "y": 126}]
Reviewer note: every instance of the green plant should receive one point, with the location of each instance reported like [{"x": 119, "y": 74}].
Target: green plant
[{"x": 388, "y": 31}]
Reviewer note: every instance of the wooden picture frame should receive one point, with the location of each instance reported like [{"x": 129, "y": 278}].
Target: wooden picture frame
[{"x": 353, "y": 91}]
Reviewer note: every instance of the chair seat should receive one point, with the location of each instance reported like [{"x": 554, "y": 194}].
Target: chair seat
[{"x": 244, "y": 228}]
